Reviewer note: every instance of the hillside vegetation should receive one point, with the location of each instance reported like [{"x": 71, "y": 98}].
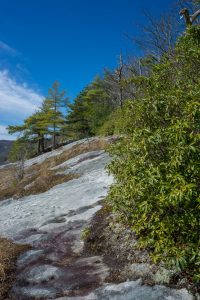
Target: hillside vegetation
[
  {"x": 157, "y": 163},
  {"x": 5, "y": 147}
]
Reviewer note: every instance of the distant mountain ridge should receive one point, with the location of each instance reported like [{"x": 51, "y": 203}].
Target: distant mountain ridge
[{"x": 5, "y": 147}]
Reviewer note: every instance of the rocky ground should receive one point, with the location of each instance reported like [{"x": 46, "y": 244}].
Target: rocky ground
[
  {"x": 107, "y": 237},
  {"x": 58, "y": 265}
]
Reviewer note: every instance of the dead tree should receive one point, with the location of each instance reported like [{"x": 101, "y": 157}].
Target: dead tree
[
  {"x": 158, "y": 36},
  {"x": 20, "y": 164},
  {"x": 119, "y": 73},
  {"x": 189, "y": 19}
]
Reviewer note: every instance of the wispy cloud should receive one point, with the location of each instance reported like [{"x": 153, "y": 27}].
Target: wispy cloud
[
  {"x": 4, "y": 134},
  {"x": 7, "y": 49},
  {"x": 17, "y": 101}
]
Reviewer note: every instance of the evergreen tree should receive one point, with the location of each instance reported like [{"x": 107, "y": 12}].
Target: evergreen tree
[
  {"x": 89, "y": 110},
  {"x": 77, "y": 122},
  {"x": 32, "y": 130},
  {"x": 54, "y": 103},
  {"x": 98, "y": 106},
  {"x": 45, "y": 122}
]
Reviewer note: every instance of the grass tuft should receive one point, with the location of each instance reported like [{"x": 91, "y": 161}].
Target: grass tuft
[{"x": 8, "y": 256}]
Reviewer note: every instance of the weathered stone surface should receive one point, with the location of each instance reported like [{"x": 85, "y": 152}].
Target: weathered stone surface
[
  {"x": 29, "y": 257},
  {"x": 134, "y": 290},
  {"x": 52, "y": 223},
  {"x": 163, "y": 276},
  {"x": 34, "y": 293},
  {"x": 42, "y": 274},
  {"x": 139, "y": 270}
]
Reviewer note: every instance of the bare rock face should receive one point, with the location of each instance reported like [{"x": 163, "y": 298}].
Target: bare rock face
[
  {"x": 29, "y": 257},
  {"x": 42, "y": 274},
  {"x": 52, "y": 223},
  {"x": 134, "y": 290}
]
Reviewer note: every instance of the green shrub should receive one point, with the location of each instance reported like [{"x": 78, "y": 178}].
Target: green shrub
[
  {"x": 115, "y": 124},
  {"x": 85, "y": 233},
  {"x": 157, "y": 163}
]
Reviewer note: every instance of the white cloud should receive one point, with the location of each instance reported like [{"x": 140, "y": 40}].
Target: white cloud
[
  {"x": 7, "y": 49},
  {"x": 16, "y": 100},
  {"x": 4, "y": 134}
]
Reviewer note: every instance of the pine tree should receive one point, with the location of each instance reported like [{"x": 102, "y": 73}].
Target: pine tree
[
  {"x": 77, "y": 123},
  {"x": 32, "y": 130},
  {"x": 54, "y": 103},
  {"x": 89, "y": 110}
]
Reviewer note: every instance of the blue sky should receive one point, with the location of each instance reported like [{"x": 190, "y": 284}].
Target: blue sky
[{"x": 67, "y": 40}]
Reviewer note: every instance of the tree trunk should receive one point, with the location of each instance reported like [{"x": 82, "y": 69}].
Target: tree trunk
[
  {"x": 42, "y": 143},
  {"x": 120, "y": 77},
  {"x": 54, "y": 136},
  {"x": 39, "y": 145},
  {"x": 54, "y": 125}
]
